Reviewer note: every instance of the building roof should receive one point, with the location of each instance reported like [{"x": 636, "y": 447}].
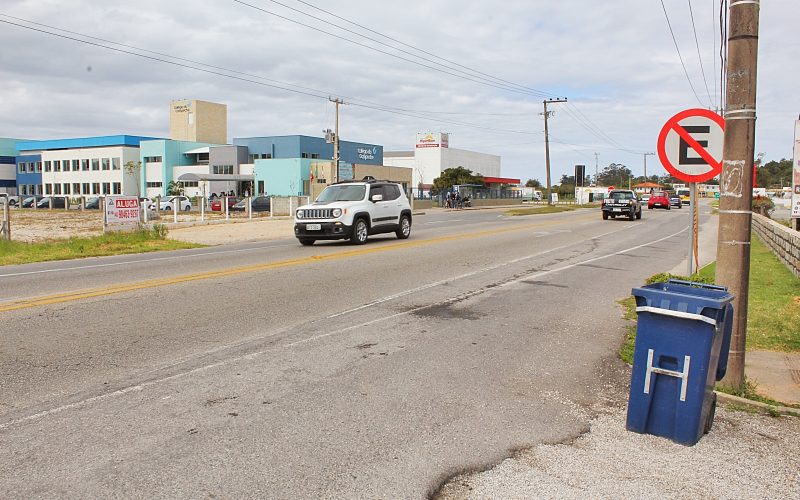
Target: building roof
[
  {"x": 84, "y": 142},
  {"x": 195, "y": 151},
  {"x": 647, "y": 185},
  {"x": 501, "y": 180}
]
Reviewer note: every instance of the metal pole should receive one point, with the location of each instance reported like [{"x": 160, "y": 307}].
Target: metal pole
[
  {"x": 336, "y": 154},
  {"x": 692, "y": 228},
  {"x": 547, "y": 146},
  {"x": 736, "y": 180}
]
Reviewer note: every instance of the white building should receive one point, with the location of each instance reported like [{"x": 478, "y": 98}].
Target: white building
[{"x": 432, "y": 154}]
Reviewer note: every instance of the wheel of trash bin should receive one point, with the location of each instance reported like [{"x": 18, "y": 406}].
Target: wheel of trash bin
[{"x": 711, "y": 412}]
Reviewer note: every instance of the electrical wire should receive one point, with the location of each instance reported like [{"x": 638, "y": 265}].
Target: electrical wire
[
  {"x": 723, "y": 53},
  {"x": 699, "y": 57},
  {"x": 461, "y": 75},
  {"x": 714, "y": 45},
  {"x": 672, "y": 33}
]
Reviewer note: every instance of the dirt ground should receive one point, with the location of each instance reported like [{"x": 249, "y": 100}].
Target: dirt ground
[{"x": 42, "y": 225}]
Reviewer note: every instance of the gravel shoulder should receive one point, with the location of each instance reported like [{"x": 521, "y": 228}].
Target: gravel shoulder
[{"x": 239, "y": 232}]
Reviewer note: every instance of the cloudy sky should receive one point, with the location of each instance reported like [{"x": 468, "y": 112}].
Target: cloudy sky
[{"x": 478, "y": 70}]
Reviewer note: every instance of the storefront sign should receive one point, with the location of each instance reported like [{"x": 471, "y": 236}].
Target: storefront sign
[
  {"x": 429, "y": 140},
  {"x": 122, "y": 210},
  {"x": 367, "y": 153},
  {"x": 345, "y": 171}
]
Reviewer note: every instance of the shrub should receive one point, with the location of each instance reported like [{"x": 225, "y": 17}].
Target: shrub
[{"x": 763, "y": 205}]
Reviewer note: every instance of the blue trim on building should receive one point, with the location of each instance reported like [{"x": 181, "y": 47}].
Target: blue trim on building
[
  {"x": 28, "y": 178},
  {"x": 83, "y": 142},
  {"x": 314, "y": 148}
]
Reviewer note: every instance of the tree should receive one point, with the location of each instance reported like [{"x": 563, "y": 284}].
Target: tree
[
  {"x": 455, "y": 176},
  {"x": 174, "y": 188},
  {"x": 774, "y": 174},
  {"x": 533, "y": 183},
  {"x": 616, "y": 174},
  {"x": 133, "y": 169}
]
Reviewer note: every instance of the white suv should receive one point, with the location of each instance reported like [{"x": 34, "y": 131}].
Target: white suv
[
  {"x": 353, "y": 210},
  {"x": 182, "y": 202}
]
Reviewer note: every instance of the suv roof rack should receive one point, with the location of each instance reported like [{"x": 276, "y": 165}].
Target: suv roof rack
[{"x": 368, "y": 180}]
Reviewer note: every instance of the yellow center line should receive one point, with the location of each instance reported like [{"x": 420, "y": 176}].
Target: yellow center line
[{"x": 139, "y": 285}]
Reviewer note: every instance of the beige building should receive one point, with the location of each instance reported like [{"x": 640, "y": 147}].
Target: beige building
[
  {"x": 323, "y": 172},
  {"x": 198, "y": 121}
]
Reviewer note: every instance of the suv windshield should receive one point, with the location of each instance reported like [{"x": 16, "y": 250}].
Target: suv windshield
[
  {"x": 342, "y": 193},
  {"x": 621, "y": 195}
]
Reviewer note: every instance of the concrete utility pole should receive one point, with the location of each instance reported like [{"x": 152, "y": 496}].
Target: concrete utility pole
[
  {"x": 645, "y": 164},
  {"x": 547, "y": 145},
  {"x": 596, "y": 170},
  {"x": 336, "y": 140},
  {"x": 736, "y": 192}
]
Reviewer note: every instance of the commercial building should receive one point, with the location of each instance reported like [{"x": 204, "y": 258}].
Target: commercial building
[
  {"x": 432, "y": 155},
  {"x": 198, "y": 121},
  {"x": 84, "y": 166},
  {"x": 8, "y": 169}
]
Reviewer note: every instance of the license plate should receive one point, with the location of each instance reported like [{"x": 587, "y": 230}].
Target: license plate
[
  {"x": 313, "y": 227},
  {"x": 618, "y": 210}
]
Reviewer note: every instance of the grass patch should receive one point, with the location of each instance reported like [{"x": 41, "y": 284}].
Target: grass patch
[
  {"x": 749, "y": 390},
  {"x": 626, "y": 351},
  {"x": 144, "y": 240},
  {"x": 547, "y": 209}
]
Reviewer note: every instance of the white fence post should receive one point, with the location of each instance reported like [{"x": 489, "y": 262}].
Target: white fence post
[
  {"x": 202, "y": 209},
  {"x": 225, "y": 201},
  {"x": 249, "y": 207},
  {"x": 271, "y": 206},
  {"x": 175, "y": 203}
]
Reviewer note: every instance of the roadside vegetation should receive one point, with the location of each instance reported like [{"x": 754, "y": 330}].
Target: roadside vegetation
[
  {"x": 141, "y": 241},
  {"x": 542, "y": 209},
  {"x": 773, "y": 311}
]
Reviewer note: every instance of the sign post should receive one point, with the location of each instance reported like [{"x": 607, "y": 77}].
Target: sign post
[
  {"x": 690, "y": 148},
  {"x": 120, "y": 211}
]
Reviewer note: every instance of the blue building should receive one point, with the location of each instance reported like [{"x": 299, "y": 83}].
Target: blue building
[
  {"x": 312, "y": 148},
  {"x": 29, "y": 175},
  {"x": 8, "y": 165}
]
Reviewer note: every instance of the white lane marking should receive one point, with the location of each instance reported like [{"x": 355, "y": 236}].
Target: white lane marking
[
  {"x": 143, "y": 385},
  {"x": 154, "y": 259},
  {"x": 443, "y": 221}
]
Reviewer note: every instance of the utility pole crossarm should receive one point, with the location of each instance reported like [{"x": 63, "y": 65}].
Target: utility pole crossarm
[{"x": 547, "y": 144}]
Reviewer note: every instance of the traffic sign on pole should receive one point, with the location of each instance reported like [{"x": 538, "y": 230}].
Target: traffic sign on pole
[{"x": 690, "y": 145}]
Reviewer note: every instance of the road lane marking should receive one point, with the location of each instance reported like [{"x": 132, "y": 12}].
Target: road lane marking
[
  {"x": 253, "y": 355},
  {"x": 140, "y": 285}
]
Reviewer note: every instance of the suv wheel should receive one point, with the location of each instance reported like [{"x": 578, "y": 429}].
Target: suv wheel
[
  {"x": 187, "y": 208},
  {"x": 605, "y": 215},
  {"x": 404, "y": 231},
  {"x": 307, "y": 242},
  {"x": 360, "y": 232},
  {"x": 639, "y": 214}
]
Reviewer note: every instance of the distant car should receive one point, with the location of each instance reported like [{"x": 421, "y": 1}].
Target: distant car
[
  {"x": 92, "y": 203},
  {"x": 216, "y": 204},
  {"x": 675, "y": 201},
  {"x": 182, "y": 202},
  {"x": 147, "y": 204},
  {"x": 658, "y": 200},
  {"x": 58, "y": 202},
  {"x": 645, "y": 197},
  {"x": 259, "y": 204},
  {"x": 13, "y": 200},
  {"x": 30, "y": 201},
  {"x": 686, "y": 198}
]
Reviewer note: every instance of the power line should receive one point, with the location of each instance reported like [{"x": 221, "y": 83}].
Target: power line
[
  {"x": 699, "y": 57},
  {"x": 462, "y": 75},
  {"x": 714, "y": 45},
  {"x": 679, "y": 53}
]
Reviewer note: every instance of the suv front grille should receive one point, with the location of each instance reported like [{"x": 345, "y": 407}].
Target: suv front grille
[{"x": 318, "y": 213}]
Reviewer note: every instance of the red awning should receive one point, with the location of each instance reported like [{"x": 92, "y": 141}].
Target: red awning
[{"x": 500, "y": 180}]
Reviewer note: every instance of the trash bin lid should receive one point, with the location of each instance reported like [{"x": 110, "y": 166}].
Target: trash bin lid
[{"x": 683, "y": 298}]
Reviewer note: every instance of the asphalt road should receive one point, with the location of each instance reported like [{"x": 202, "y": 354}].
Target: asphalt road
[{"x": 275, "y": 370}]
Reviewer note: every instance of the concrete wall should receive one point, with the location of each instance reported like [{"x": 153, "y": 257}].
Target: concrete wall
[
  {"x": 783, "y": 241},
  {"x": 281, "y": 204}
]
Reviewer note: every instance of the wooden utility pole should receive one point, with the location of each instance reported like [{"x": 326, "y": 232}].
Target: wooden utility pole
[
  {"x": 336, "y": 141},
  {"x": 736, "y": 180},
  {"x": 547, "y": 145}
]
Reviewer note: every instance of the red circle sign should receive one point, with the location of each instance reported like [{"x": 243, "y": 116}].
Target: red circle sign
[{"x": 677, "y": 140}]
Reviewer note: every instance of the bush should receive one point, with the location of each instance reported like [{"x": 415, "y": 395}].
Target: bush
[
  {"x": 763, "y": 205},
  {"x": 159, "y": 231},
  {"x": 663, "y": 277}
]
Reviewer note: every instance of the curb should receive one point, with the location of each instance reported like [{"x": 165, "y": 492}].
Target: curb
[{"x": 762, "y": 407}]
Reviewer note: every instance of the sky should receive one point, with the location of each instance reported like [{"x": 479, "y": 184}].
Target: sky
[{"x": 478, "y": 70}]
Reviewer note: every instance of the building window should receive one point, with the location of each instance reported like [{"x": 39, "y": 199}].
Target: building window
[
  {"x": 95, "y": 164},
  {"x": 114, "y": 163},
  {"x": 266, "y": 156},
  {"x": 303, "y": 155},
  {"x": 20, "y": 168},
  {"x": 76, "y": 165},
  {"x": 106, "y": 188},
  {"x": 56, "y": 165},
  {"x": 48, "y": 167},
  {"x": 315, "y": 156},
  {"x": 85, "y": 165},
  {"x": 48, "y": 188},
  {"x": 38, "y": 166},
  {"x": 23, "y": 189},
  {"x": 66, "y": 188},
  {"x": 152, "y": 159},
  {"x": 154, "y": 184},
  {"x": 202, "y": 158},
  {"x": 85, "y": 189},
  {"x": 76, "y": 188},
  {"x": 117, "y": 188},
  {"x": 66, "y": 165},
  {"x": 56, "y": 189},
  {"x": 223, "y": 169},
  {"x": 39, "y": 189},
  {"x": 106, "y": 164},
  {"x": 95, "y": 188},
  {"x": 189, "y": 184}
]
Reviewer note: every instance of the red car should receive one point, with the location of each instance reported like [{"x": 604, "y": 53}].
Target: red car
[
  {"x": 216, "y": 203},
  {"x": 659, "y": 199}
]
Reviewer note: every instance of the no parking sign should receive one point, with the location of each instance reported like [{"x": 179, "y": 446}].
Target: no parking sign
[{"x": 690, "y": 145}]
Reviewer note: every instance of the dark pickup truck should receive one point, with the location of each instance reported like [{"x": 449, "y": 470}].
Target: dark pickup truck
[{"x": 622, "y": 202}]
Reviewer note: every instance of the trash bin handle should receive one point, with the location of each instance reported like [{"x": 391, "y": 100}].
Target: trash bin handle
[
  {"x": 697, "y": 284},
  {"x": 677, "y": 314}
]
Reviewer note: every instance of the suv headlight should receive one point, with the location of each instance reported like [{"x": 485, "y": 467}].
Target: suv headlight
[
  {"x": 337, "y": 212},
  {"x": 299, "y": 214}
]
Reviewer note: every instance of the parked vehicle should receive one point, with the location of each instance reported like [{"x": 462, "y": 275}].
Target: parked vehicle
[
  {"x": 658, "y": 199},
  {"x": 354, "y": 210},
  {"x": 182, "y": 202},
  {"x": 30, "y": 201},
  {"x": 147, "y": 204},
  {"x": 217, "y": 203},
  {"x": 13, "y": 200},
  {"x": 58, "y": 202},
  {"x": 92, "y": 203},
  {"x": 258, "y": 204},
  {"x": 684, "y": 195},
  {"x": 622, "y": 202},
  {"x": 675, "y": 201}
]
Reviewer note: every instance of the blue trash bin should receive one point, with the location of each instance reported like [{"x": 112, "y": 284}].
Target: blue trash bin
[{"x": 682, "y": 342}]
